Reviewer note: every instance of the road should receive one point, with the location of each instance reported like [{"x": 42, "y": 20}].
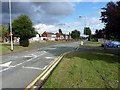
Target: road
[{"x": 19, "y": 69}]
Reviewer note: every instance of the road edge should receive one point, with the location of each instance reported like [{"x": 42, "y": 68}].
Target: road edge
[{"x": 38, "y": 81}]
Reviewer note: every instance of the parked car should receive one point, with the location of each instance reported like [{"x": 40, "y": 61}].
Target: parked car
[{"x": 111, "y": 44}]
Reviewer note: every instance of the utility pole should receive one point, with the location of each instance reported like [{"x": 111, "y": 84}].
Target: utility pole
[{"x": 11, "y": 42}]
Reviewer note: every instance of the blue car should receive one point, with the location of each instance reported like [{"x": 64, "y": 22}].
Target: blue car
[{"x": 111, "y": 44}]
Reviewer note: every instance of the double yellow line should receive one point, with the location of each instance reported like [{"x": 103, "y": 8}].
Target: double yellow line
[{"x": 45, "y": 73}]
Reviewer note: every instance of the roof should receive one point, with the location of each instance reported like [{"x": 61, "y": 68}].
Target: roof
[{"x": 48, "y": 32}]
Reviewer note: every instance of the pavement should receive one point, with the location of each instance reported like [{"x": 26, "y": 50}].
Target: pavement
[{"x": 19, "y": 69}]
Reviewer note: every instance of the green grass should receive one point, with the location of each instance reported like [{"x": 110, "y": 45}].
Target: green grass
[
  {"x": 92, "y": 45},
  {"x": 94, "y": 42},
  {"x": 98, "y": 70},
  {"x": 51, "y": 42},
  {"x": 6, "y": 48}
]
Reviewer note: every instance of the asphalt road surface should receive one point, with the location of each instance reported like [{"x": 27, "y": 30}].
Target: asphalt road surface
[{"x": 19, "y": 69}]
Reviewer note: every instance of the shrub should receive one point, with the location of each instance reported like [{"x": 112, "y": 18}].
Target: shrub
[{"x": 24, "y": 42}]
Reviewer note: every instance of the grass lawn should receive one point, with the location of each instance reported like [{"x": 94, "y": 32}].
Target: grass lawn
[
  {"x": 97, "y": 70},
  {"x": 92, "y": 44},
  {"x": 51, "y": 42},
  {"x": 6, "y": 48},
  {"x": 95, "y": 42}
]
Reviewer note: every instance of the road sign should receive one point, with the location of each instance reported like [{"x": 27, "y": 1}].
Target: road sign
[{"x": 10, "y": 34}]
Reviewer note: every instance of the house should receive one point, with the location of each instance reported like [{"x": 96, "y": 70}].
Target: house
[
  {"x": 59, "y": 36},
  {"x": 52, "y": 37},
  {"x": 63, "y": 36},
  {"x": 35, "y": 39},
  {"x": 16, "y": 39},
  {"x": 48, "y": 36}
]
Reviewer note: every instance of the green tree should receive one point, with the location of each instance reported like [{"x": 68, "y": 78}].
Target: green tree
[
  {"x": 22, "y": 27},
  {"x": 4, "y": 32},
  {"x": 87, "y": 31},
  {"x": 75, "y": 34},
  {"x": 110, "y": 16},
  {"x": 60, "y": 31}
]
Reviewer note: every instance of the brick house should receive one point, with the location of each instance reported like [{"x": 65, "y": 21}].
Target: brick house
[
  {"x": 49, "y": 36},
  {"x": 52, "y": 37},
  {"x": 59, "y": 36}
]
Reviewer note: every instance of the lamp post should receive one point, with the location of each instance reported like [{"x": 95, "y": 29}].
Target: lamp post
[
  {"x": 84, "y": 17},
  {"x": 11, "y": 42}
]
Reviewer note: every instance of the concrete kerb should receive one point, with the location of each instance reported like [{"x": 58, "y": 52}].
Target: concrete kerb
[{"x": 38, "y": 82}]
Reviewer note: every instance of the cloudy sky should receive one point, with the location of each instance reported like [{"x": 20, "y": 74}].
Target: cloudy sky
[{"x": 51, "y": 16}]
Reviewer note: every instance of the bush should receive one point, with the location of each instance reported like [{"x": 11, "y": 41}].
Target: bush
[{"x": 24, "y": 42}]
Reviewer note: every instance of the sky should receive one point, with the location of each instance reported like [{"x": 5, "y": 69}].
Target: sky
[{"x": 52, "y": 16}]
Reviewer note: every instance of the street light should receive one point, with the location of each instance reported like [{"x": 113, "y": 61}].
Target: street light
[
  {"x": 11, "y": 42},
  {"x": 85, "y": 17}
]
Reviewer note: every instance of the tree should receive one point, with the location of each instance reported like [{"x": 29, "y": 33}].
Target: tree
[
  {"x": 110, "y": 16},
  {"x": 75, "y": 34},
  {"x": 22, "y": 27},
  {"x": 4, "y": 32},
  {"x": 87, "y": 31},
  {"x": 60, "y": 31},
  {"x": 99, "y": 33}
]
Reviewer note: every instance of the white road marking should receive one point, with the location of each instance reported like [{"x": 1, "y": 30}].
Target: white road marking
[
  {"x": 5, "y": 69},
  {"x": 20, "y": 63},
  {"x": 32, "y": 68},
  {"x": 45, "y": 67},
  {"x": 49, "y": 57},
  {"x": 6, "y": 64},
  {"x": 28, "y": 60},
  {"x": 28, "y": 56}
]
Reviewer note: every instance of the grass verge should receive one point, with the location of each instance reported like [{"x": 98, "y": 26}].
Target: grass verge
[
  {"x": 51, "y": 42},
  {"x": 98, "y": 70},
  {"x": 92, "y": 45},
  {"x": 6, "y": 48}
]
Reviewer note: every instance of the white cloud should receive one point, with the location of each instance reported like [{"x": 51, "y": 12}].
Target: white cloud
[
  {"x": 93, "y": 23},
  {"x": 66, "y": 28},
  {"x": 43, "y": 27}
]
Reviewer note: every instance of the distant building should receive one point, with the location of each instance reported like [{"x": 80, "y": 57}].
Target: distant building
[
  {"x": 59, "y": 36},
  {"x": 48, "y": 36},
  {"x": 35, "y": 39}
]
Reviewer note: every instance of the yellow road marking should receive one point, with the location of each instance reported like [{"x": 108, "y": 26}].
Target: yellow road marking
[
  {"x": 46, "y": 72},
  {"x": 32, "y": 83}
]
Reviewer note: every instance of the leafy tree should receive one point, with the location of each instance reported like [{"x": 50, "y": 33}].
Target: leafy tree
[
  {"x": 75, "y": 34},
  {"x": 99, "y": 34},
  {"x": 87, "y": 31},
  {"x": 111, "y": 17},
  {"x": 22, "y": 27},
  {"x": 60, "y": 31},
  {"x": 4, "y": 32}
]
